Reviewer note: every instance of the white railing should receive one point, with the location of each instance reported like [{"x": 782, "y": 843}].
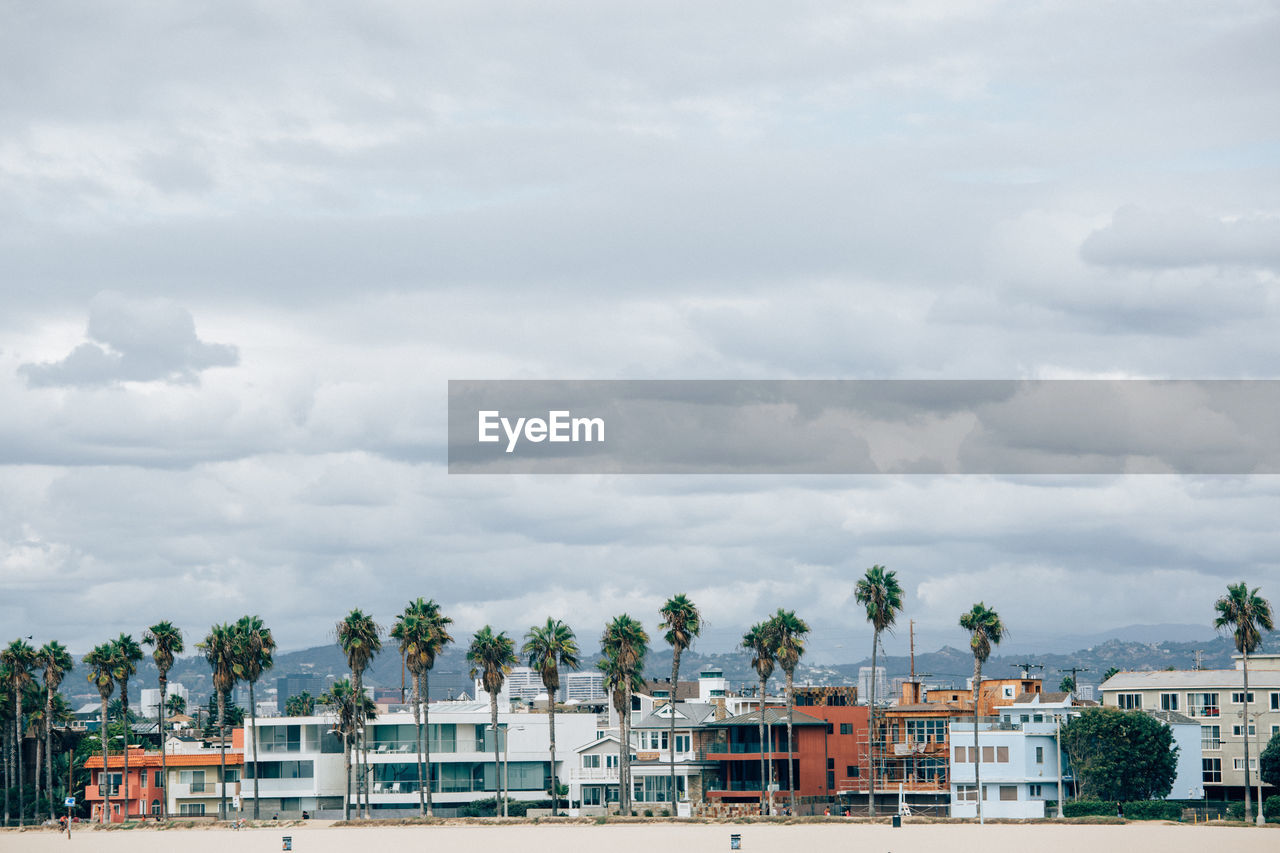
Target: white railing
[{"x": 593, "y": 774}]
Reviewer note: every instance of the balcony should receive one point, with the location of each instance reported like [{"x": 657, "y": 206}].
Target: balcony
[{"x": 593, "y": 774}]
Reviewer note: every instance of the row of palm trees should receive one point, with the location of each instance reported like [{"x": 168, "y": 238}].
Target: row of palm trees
[{"x": 19, "y": 662}]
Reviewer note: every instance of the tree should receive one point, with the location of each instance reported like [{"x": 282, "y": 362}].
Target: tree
[
  {"x": 791, "y": 632},
  {"x": 1245, "y": 614},
  {"x": 341, "y": 700},
  {"x": 985, "y": 630},
  {"x": 166, "y": 642},
  {"x": 1269, "y": 762},
  {"x": 1110, "y": 672},
  {"x": 254, "y": 649},
  {"x": 762, "y": 642},
  {"x": 1067, "y": 684},
  {"x": 549, "y": 647},
  {"x": 491, "y": 657},
  {"x": 219, "y": 648},
  {"x": 55, "y": 662},
  {"x": 301, "y": 705},
  {"x": 624, "y": 644},
  {"x": 683, "y": 622},
  {"x": 1121, "y": 756},
  {"x": 127, "y": 653},
  {"x": 880, "y": 594},
  {"x": 422, "y": 632},
  {"x": 175, "y": 705},
  {"x": 361, "y": 640},
  {"x": 102, "y": 668},
  {"x": 19, "y": 659}
]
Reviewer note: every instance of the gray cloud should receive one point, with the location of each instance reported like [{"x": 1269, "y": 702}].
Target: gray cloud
[
  {"x": 1138, "y": 237},
  {"x": 133, "y": 341}
]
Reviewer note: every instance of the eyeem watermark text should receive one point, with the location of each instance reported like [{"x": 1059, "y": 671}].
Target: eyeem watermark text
[{"x": 559, "y": 426}]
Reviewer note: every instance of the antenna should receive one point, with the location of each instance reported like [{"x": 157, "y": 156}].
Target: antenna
[
  {"x": 912, "y": 628},
  {"x": 1199, "y": 659},
  {"x": 1026, "y": 666}
]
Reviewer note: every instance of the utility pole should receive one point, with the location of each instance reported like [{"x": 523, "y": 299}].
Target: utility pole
[
  {"x": 1026, "y": 666},
  {"x": 1199, "y": 660},
  {"x": 912, "y": 628},
  {"x": 1075, "y": 685}
]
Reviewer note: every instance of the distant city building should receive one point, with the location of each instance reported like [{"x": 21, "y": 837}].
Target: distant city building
[
  {"x": 583, "y": 686},
  {"x": 1085, "y": 691},
  {"x": 149, "y": 698},
  {"x": 298, "y": 683},
  {"x": 883, "y": 696}
]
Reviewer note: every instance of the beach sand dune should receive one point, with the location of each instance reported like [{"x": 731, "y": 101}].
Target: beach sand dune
[{"x": 646, "y": 838}]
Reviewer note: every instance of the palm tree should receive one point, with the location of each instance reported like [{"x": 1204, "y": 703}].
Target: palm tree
[
  {"x": 1246, "y": 614},
  {"x": 762, "y": 642},
  {"x": 491, "y": 657},
  {"x": 878, "y": 591},
  {"x": 985, "y": 630},
  {"x": 175, "y": 705},
  {"x": 254, "y": 648},
  {"x": 422, "y": 632},
  {"x": 127, "y": 654},
  {"x": 167, "y": 642},
  {"x": 6, "y": 738},
  {"x": 683, "y": 622},
  {"x": 361, "y": 640},
  {"x": 549, "y": 647},
  {"x": 624, "y": 644},
  {"x": 102, "y": 675},
  {"x": 19, "y": 659},
  {"x": 300, "y": 705},
  {"x": 341, "y": 699},
  {"x": 791, "y": 632},
  {"x": 219, "y": 648},
  {"x": 55, "y": 662}
]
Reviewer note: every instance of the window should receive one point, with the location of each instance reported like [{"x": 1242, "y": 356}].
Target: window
[
  {"x": 682, "y": 743},
  {"x": 1202, "y": 705},
  {"x": 1211, "y": 770},
  {"x": 1275, "y": 701},
  {"x": 1129, "y": 701},
  {"x": 591, "y": 795},
  {"x": 282, "y": 738},
  {"x": 1211, "y": 737},
  {"x": 926, "y": 731},
  {"x": 194, "y": 779},
  {"x": 1238, "y": 764},
  {"x": 233, "y": 774},
  {"x": 1008, "y": 792},
  {"x": 960, "y": 759},
  {"x": 155, "y": 808},
  {"x": 192, "y": 809},
  {"x": 159, "y": 780},
  {"x": 1035, "y": 792},
  {"x": 113, "y": 781},
  {"x": 611, "y": 761},
  {"x": 831, "y": 764},
  {"x": 1237, "y": 730},
  {"x": 1002, "y": 754},
  {"x": 591, "y": 762},
  {"x": 1026, "y": 718},
  {"x": 1237, "y": 698},
  {"x": 988, "y": 755},
  {"x": 846, "y": 728},
  {"x": 280, "y": 770},
  {"x": 1168, "y": 701},
  {"x": 967, "y": 793},
  {"x": 852, "y": 771},
  {"x": 831, "y": 779},
  {"x": 1039, "y": 755}
]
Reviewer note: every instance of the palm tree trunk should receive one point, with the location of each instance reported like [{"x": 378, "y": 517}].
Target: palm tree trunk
[
  {"x": 764, "y": 777},
  {"x": 624, "y": 764},
  {"x": 124, "y": 711},
  {"x": 253, "y": 722},
  {"x": 5, "y": 737},
  {"x": 1247, "y": 804},
  {"x": 551, "y": 701},
  {"x": 871, "y": 729},
  {"x": 977, "y": 753},
  {"x": 791, "y": 788},
  {"x": 222, "y": 755},
  {"x": 425, "y": 690},
  {"x": 417, "y": 726},
  {"x": 346, "y": 760},
  {"x": 104, "y": 784},
  {"x": 17, "y": 731},
  {"x": 164, "y": 758},
  {"x": 497, "y": 765},
  {"x": 671, "y": 742}
]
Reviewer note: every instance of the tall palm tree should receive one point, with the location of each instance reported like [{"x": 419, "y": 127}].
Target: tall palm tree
[
  {"x": 422, "y": 632},
  {"x": 879, "y": 592},
  {"x": 1246, "y": 614},
  {"x": 254, "y": 649},
  {"x": 102, "y": 675},
  {"x": 491, "y": 657},
  {"x": 6, "y": 738},
  {"x": 361, "y": 640},
  {"x": 683, "y": 622},
  {"x": 219, "y": 648},
  {"x": 341, "y": 700},
  {"x": 55, "y": 662},
  {"x": 762, "y": 642},
  {"x": 985, "y": 630},
  {"x": 166, "y": 640},
  {"x": 127, "y": 653},
  {"x": 791, "y": 632},
  {"x": 624, "y": 644},
  {"x": 549, "y": 647},
  {"x": 19, "y": 659}
]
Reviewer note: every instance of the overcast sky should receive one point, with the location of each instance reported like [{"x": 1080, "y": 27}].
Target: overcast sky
[{"x": 243, "y": 247}]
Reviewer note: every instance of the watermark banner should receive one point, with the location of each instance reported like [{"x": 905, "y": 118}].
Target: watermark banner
[{"x": 1003, "y": 427}]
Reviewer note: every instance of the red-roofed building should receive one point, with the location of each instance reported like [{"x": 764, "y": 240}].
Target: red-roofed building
[{"x": 192, "y": 788}]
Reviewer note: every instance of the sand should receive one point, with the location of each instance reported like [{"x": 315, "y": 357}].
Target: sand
[{"x": 318, "y": 837}]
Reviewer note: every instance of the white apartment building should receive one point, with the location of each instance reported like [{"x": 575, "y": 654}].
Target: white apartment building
[
  {"x": 587, "y": 686},
  {"x": 1214, "y": 699},
  {"x": 149, "y": 698},
  {"x": 302, "y": 765}
]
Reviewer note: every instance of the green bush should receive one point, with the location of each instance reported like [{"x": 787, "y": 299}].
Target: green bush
[
  {"x": 1271, "y": 808},
  {"x": 1138, "y": 810},
  {"x": 1235, "y": 811},
  {"x": 648, "y": 812}
]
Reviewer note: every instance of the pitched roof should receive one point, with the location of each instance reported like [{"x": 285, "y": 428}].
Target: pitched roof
[
  {"x": 772, "y": 717},
  {"x": 1215, "y": 679},
  {"x": 139, "y": 758},
  {"x": 687, "y": 714}
]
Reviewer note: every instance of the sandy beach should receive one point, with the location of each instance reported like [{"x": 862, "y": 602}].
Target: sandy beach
[{"x": 756, "y": 838}]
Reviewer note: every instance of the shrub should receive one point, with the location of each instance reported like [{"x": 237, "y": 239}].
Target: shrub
[
  {"x": 1235, "y": 811},
  {"x": 1271, "y": 808},
  {"x": 1138, "y": 810},
  {"x": 648, "y": 812}
]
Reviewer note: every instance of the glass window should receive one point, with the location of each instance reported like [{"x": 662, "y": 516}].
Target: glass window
[
  {"x": 1168, "y": 701},
  {"x": 1237, "y": 698},
  {"x": 1039, "y": 755},
  {"x": 846, "y": 728},
  {"x": 1202, "y": 705},
  {"x": 1008, "y": 792},
  {"x": 1002, "y": 754},
  {"x": 1211, "y": 769},
  {"x": 1211, "y": 737},
  {"x": 591, "y": 761},
  {"x": 1129, "y": 701}
]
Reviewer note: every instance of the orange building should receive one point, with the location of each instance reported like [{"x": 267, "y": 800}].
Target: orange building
[{"x": 191, "y": 788}]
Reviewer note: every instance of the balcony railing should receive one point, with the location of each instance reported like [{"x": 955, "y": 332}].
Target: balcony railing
[{"x": 720, "y": 747}]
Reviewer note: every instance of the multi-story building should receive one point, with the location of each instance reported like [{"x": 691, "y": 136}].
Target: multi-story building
[
  {"x": 193, "y": 784},
  {"x": 301, "y": 759},
  {"x": 1213, "y": 698},
  {"x": 149, "y": 698},
  {"x": 585, "y": 686},
  {"x": 288, "y": 686}
]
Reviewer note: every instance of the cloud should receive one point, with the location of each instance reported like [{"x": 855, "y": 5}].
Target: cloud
[
  {"x": 133, "y": 341},
  {"x": 1168, "y": 239}
]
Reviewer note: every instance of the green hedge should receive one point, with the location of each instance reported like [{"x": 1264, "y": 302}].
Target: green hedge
[
  {"x": 1139, "y": 810},
  {"x": 1271, "y": 808}
]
